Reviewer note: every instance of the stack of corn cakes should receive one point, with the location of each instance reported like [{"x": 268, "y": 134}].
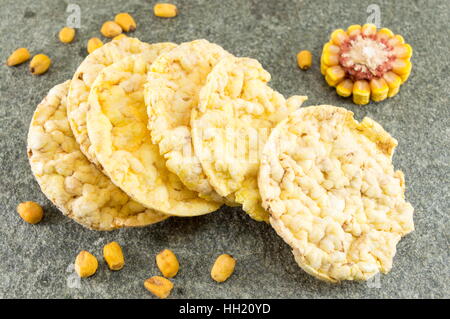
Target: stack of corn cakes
[{"x": 145, "y": 131}]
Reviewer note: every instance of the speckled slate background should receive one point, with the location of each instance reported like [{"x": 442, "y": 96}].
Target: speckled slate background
[{"x": 36, "y": 261}]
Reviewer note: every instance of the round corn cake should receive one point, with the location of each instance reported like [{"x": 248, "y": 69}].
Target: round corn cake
[
  {"x": 235, "y": 113},
  {"x": 69, "y": 180},
  {"x": 171, "y": 92},
  {"x": 85, "y": 75},
  {"x": 330, "y": 187},
  {"x": 117, "y": 127}
]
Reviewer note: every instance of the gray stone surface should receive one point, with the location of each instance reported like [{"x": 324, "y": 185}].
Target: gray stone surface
[{"x": 35, "y": 261}]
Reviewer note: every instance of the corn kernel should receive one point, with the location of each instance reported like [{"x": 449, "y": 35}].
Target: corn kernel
[
  {"x": 369, "y": 29},
  {"x": 304, "y": 59},
  {"x": 223, "y": 268},
  {"x": 339, "y": 36},
  {"x": 401, "y": 66},
  {"x": 165, "y": 10},
  {"x": 93, "y": 44},
  {"x": 396, "y": 40},
  {"x": 393, "y": 81},
  {"x": 354, "y": 30},
  {"x": 85, "y": 264},
  {"x": 120, "y": 36},
  {"x": 113, "y": 255},
  {"x": 379, "y": 89},
  {"x": 323, "y": 67},
  {"x": 167, "y": 263},
  {"x": 334, "y": 75},
  {"x": 385, "y": 34},
  {"x": 39, "y": 64},
  {"x": 30, "y": 212},
  {"x": 66, "y": 35},
  {"x": 110, "y": 29},
  {"x": 159, "y": 286},
  {"x": 361, "y": 92},
  {"x": 403, "y": 51},
  {"x": 18, "y": 57},
  {"x": 345, "y": 88},
  {"x": 125, "y": 21}
]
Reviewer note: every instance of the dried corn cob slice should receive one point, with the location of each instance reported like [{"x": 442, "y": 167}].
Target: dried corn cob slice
[{"x": 366, "y": 63}]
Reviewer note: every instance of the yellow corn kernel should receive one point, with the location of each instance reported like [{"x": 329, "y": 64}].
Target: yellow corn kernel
[
  {"x": 379, "y": 89},
  {"x": 85, "y": 264},
  {"x": 125, "y": 21},
  {"x": 338, "y": 36},
  {"x": 18, "y": 57},
  {"x": 353, "y": 30},
  {"x": 393, "y": 81},
  {"x": 361, "y": 92},
  {"x": 223, "y": 268},
  {"x": 120, "y": 36},
  {"x": 385, "y": 33},
  {"x": 165, "y": 10},
  {"x": 334, "y": 75},
  {"x": 330, "y": 59},
  {"x": 39, "y": 64},
  {"x": 401, "y": 66},
  {"x": 323, "y": 66},
  {"x": 304, "y": 59},
  {"x": 110, "y": 29},
  {"x": 369, "y": 29},
  {"x": 93, "y": 44},
  {"x": 66, "y": 35},
  {"x": 30, "y": 212},
  {"x": 159, "y": 286},
  {"x": 403, "y": 51},
  {"x": 345, "y": 88},
  {"x": 113, "y": 255},
  {"x": 167, "y": 263},
  {"x": 405, "y": 77},
  {"x": 396, "y": 40}
]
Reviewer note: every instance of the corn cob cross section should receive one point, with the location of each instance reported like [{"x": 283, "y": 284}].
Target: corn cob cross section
[{"x": 367, "y": 63}]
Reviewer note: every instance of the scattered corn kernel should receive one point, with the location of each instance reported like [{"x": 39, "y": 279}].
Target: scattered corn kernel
[
  {"x": 167, "y": 263},
  {"x": 66, "y": 35},
  {"x": 120, "y": 36},
  {"x": 304, "y": 59},
  {"x": 159, "y": 286},
  {"x": 93, "y": 44},
  {"x": 18, "y": 57},
  {"x": 367, "y": 63},
  {"x": 39, "y": 64},
  {"x": 110, "y": 29},
  {"x": 223, "y": 268},
  {"x": 125, "y": 21},
  {"x": 113, "y": 255},
  {"x": 30, "y": 212},
  {"x": 361, "y": 92},
  {"x": 165, "y": 10},
  {"x": 85, "y": 264}
]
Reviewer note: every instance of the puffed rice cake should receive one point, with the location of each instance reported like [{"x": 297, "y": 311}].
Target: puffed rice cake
[
  {"x": 85, "y": 75},
  {"x": 117, "y": 127},
  {"x": 329, "y": 185},
  {"x": 171, "y": 92},
  {"x": 233, "y": 119},
  {"x": 69, "y": 180}
]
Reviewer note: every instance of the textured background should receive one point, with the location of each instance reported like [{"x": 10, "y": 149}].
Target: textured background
[{"x": 35, "y": 261}]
